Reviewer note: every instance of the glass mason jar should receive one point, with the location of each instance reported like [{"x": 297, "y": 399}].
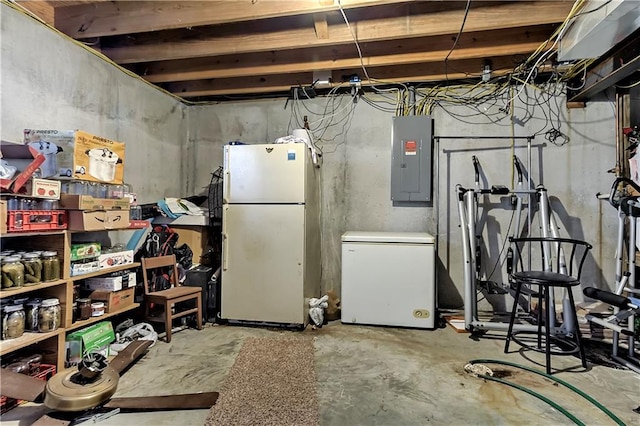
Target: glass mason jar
[
  {"x": 12, "y": 272},
  {"x": 12, "y": 322},
  {"x": 31, "y": 314},
  {"x": 32, "y": 268},
  {"x": 50, "y": 266},
  {"x": 84, "y": 309},
  {"x": 49, "y": 315}
]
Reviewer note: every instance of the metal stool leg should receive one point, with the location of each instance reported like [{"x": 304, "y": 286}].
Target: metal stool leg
[
  {"x": 514, "y": 309},
  {"x": 540, "y": 306},
  {"x": 547, "y": 328},
  {"x": 578, "y": 336}
]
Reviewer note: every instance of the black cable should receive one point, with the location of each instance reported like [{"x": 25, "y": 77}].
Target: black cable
[{"x": 464, "y": 19}]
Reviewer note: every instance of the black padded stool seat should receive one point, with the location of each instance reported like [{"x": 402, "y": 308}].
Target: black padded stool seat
[
  {"x": 561, "y": 261},
  {"x": 545, "y": 277}
]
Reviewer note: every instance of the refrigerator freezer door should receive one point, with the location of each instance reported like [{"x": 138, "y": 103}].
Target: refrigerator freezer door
[
  {"x": 388, "y": 284},
  {"x": 272, "y": 173},
  {"x": 262, "y": 263}
]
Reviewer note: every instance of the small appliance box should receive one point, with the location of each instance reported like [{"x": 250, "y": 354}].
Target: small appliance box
[
  {"x": 78, "y": 154},
  {"x": 85, "y": 251},
  {"x": 114, "y": 300},
  {"x": 24, "y": 161},
  {"x": 98, "y": 220},
  {"x": 41, "y": 188},
  {"x": 115, "y": 283},
  {"x": 96, "y": 337},
  {"x": 109, "y": 260}
]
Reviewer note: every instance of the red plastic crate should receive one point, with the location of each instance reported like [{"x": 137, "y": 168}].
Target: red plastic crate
[
  {"x": 36, "y": 220},
  {"x": 45, "y": 372}
]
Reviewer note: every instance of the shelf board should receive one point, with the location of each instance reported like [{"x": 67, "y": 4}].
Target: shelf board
[
  {"x": 8, "y": 292},
  {"x": 32, "y": 234},
  {"x": 28, "y": 338},
  {"x": 92, "y": 320},
  {"x": 105, "y": 271}
]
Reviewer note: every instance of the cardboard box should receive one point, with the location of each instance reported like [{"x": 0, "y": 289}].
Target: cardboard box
[
  {"x": 78, "y": 154},
  {"x": 96, "y": 337},
  {"x": 81, "y": 268},
  {"x": 3, "y": 217},
  {"x": 108, "y": 260},
  {"x": 85, "y": 251},
  {"x": 41, "y": 188},
  {"x": 98, "y": 220},
  {"x": 87, "y": 202},
  {"x": 27, "y": 161},
  {"x": 114, "y": 300},
  {"x": 114, "y": 283}
]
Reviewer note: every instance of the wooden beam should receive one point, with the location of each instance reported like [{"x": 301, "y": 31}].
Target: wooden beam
[
  {"x": 431, "y": 72},
  {"x": 410, "y": 51},
  {"x": 497, "y": 16},
  {"x": 321, "y": 26},
  {"x": 41, "y": 9},
  {"x": 126, "y": 17}
]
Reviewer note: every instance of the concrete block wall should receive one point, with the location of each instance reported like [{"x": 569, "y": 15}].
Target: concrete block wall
[
  {"x": 48, "y": 82},
  {"x": 357, "y": 163}
]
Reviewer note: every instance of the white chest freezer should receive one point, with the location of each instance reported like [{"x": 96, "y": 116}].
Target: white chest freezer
[{"x": 388, "y": 278}]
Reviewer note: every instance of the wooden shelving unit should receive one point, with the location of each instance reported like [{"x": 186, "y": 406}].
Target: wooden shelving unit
[
  {"x": 79, "y": 324},
  {"x": 104, "y": 271},
  {"x": 53, "y": 344}
]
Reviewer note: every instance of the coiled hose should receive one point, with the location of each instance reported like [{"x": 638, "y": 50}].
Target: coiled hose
[{"x": 542, "y": 397}]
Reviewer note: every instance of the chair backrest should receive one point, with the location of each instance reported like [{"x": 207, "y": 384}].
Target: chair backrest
[
  {"x": 154, "y": 264},
  {"x": 561, "y": 255}
]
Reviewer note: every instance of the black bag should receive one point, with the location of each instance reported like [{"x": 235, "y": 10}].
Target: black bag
[
  {"x": 160, "y": 280},
  {"x": 184, "y": 256},
  {"x": 160, "y": 242}
]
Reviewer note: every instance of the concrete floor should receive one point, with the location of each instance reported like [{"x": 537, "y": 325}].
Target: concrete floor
[{"x": 378, "y": 376}]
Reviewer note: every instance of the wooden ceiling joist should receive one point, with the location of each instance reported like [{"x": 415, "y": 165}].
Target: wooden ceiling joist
[
  {"x": 410, "y": 51},
  {"x": 502, "y": 15},
  {"x": 127, "y": 17},
  {"x": 428, "y": 72}
]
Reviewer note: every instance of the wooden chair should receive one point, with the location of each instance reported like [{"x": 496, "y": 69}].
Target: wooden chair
[{"x": 169, "y": 298}]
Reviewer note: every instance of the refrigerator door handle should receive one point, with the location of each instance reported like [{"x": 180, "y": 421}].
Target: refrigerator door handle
[
  {"x": 227, "y": 178},
  {"x": 225, "y": 241}
]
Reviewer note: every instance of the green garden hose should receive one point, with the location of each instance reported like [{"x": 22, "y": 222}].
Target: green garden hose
[{"x": 550, "y": 377}]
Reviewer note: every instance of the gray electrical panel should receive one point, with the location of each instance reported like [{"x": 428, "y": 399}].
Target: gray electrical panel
[{"x": 411, "y": 162}]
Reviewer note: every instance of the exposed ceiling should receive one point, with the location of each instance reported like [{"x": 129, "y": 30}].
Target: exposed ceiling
[{"x": 228, "y": 49}]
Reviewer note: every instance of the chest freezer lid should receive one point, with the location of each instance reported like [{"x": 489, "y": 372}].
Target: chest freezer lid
[{"x": 388, "y": 237}]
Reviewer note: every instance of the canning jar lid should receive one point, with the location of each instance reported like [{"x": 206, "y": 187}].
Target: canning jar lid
[
  {"x": 10, "y": 259},
  {"x": 50, "y": 302},
  {"x": 83, "y": 300},
  {"x": 13, "y": 308},
  {"x": 49, "y": 253},
  {"x": 34, "y": 302},
  {"x": 30, "y": 256},
  {"x": 97, "y": 305}
]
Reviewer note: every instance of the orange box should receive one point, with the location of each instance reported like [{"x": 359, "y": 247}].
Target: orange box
[{"x": 114, "y": 300}]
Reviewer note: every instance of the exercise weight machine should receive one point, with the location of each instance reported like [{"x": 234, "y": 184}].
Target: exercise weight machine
[
  {"x": 471, "y": 230},
  {"x": 625, "y": 308}
]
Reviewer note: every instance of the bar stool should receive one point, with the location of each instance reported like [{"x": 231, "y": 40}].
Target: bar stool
[{"x": 561, "y": 261}]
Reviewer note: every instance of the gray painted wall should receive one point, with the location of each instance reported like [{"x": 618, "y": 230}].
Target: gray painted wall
[
  {"x": 356, "y": 175},
  {"x": 47, "y": 81}
]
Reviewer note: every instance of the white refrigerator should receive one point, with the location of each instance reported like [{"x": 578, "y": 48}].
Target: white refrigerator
[{"x": 271, "y": 234}]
